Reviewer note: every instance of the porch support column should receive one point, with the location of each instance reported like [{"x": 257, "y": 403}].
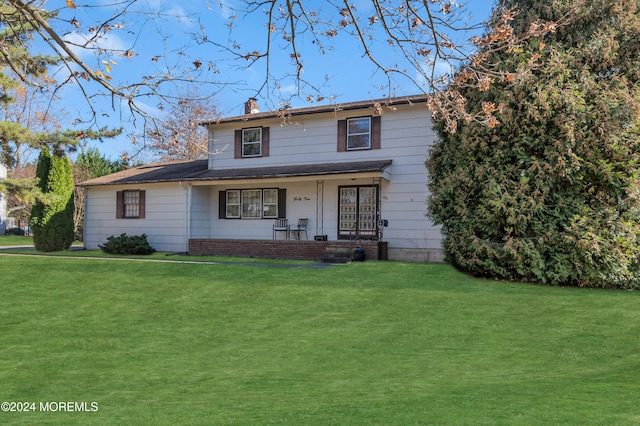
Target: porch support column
[
  {"x": 319, "y": 207},
  {"x": 377, "y": 183},
  {"x": 187, "y": 215}
]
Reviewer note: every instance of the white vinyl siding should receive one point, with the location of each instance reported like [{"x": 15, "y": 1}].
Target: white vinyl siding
[{"x": 164, "y": 221}]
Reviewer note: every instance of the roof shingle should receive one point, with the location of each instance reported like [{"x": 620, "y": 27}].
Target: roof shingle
[{"x": 192, "y": 171}]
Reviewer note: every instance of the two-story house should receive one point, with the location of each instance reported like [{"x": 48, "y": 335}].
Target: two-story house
[{"x": 354, "y": 172}]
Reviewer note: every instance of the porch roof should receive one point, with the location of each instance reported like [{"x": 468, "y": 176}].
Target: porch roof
[{"x": 197, "y": 171}]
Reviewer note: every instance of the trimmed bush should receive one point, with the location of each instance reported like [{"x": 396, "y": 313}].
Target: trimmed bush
[
  {"x": 15, "y": 231},
  {"x": 127, "y": 244}
]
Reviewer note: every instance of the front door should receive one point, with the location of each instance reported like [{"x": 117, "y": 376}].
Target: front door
[{"x": 358, "y": 212}]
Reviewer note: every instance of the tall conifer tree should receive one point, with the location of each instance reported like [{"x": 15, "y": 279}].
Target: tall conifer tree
[
  {"x": 549, "y": 190},
  {"x": 52, "y": 216}
]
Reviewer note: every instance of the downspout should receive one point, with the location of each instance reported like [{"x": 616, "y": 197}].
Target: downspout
[
  {"x": 187, "y": 216},
  {"x": 85, "y": 203}
]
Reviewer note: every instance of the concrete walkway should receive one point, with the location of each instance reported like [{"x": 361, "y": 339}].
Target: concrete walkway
[{"x": 5, "y": 251}]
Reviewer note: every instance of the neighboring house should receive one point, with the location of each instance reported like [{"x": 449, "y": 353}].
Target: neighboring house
[{"x": 356, "y": 171}]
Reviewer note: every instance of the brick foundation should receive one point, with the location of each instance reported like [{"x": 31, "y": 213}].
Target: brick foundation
[{"x": 281, "y": 249}]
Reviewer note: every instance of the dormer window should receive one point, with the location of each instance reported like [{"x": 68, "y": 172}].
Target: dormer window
[{"x": 359, "y": 133}]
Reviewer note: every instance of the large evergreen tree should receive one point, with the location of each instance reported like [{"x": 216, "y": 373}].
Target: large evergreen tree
[
  {"x": 16, "y": 61},
  {"x": 24, "y": 86},
  {"x": 52, "y": 215},
  {"x": 549, "y": 189}
]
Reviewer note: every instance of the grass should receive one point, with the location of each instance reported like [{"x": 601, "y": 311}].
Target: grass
[
  {"x": 164, "y": 256},
  {"x": 365, "y": 343},
  {"x": 11, "y": 240},
  {"x": 15, "y": 240}
]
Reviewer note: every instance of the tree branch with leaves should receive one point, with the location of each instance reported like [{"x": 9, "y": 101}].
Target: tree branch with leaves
[{"x": 428, "y": 40}]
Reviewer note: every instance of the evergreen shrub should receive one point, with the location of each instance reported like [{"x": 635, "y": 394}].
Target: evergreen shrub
[
  {"x": 550, "y": 191},
  {"x": 127, "y": 244},
  {"x": 52, "y": 215}
]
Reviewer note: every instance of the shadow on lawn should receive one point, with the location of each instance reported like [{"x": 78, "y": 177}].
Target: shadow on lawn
[{"x": 18, "y": 251}]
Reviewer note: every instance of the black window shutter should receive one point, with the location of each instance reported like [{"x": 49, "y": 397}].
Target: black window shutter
[
  {"x": 265, "y": 141},
  {"x": 375, "y": 131},
  {"x": 237, "y": 144},
  {"x": 222, "y": 204},
  {"x": 119, "y": 204},
  {"x": 342, "y": 135},
  {"x": 142, "y": 203},
  {"x": 282, "y": 203}
]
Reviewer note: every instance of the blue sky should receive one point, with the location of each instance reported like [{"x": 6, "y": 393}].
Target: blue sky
[{"x": 163, "y": 32}]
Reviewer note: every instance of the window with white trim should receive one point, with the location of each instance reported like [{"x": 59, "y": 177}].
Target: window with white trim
[
  {"x": 130, "y": 204},
  {"x": 270, "y": 203},
  {"x": 233, "y": 204},
  {"x": 252, "y": 203},
  {"x": 252, "y": 142},
  {"x": 359, "y": 133}
]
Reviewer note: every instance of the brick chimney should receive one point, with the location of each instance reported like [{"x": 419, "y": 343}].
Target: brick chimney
[{"x": 251, "y": 106}]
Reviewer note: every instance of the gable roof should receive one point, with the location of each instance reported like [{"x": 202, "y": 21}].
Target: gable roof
[
  {"x": 176, "y": 171},
  {"x": 192, "y": 171},
  {"x": 291, "y": 112}
]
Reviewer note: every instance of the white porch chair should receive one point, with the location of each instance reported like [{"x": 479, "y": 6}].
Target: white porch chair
[{"x": 301, "y": 227}]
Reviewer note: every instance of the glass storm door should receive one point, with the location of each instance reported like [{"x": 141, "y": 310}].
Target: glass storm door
[{"x": 358, "y": 212}]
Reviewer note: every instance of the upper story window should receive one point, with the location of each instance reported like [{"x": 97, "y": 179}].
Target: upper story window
[
  {"x": 359, "y": 133},
  {"x": 252, "y": 142}
]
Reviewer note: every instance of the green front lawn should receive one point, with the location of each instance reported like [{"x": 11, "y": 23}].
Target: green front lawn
[
  {"x": 15, "y": 240},
  {"x": 364, "y": 343},
  {"x": 163, "y": 256}
]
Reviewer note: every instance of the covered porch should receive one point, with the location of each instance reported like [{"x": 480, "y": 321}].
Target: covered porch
[{"x": 233, "y": 213}]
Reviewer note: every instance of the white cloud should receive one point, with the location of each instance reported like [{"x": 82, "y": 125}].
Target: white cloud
[
  {"x": 439, "y": 69},
  {"x": 288, "y": 89},
  {"x": 83, "y": 45},
  {"x": 225, "y": 9}
]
